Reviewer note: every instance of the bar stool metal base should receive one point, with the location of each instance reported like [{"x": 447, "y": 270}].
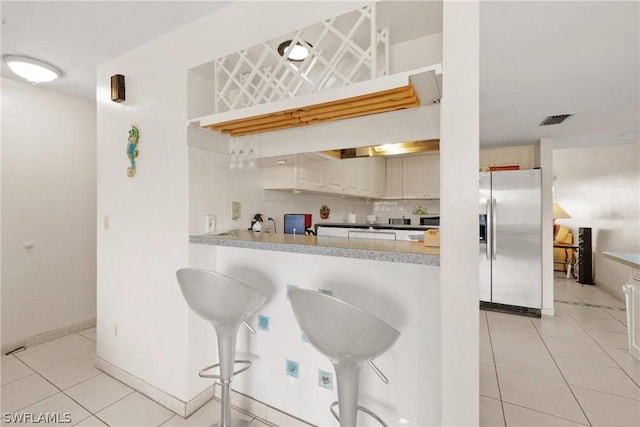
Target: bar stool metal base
[
  {"x": 235, "y": 422},
  {"x": 360, "y": 408},
  {"x": 202, "y": 373}
]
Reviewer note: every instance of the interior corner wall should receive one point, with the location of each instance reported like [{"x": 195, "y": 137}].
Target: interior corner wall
[
  {"x": 600, "y": 188},
  {"x": 49, "y": 201},
  {"x": 459, "y": 157},
  {"x": 544, "y": 158}
]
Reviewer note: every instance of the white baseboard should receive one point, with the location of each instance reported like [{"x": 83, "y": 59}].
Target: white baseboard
[
  {"x": 179, "y": 406},
  {"x": 49, "y": 335},
  {"x": 265, "y": 413}
]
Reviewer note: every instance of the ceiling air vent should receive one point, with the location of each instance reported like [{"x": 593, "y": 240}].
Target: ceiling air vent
[{"x": 554, "y": 120}]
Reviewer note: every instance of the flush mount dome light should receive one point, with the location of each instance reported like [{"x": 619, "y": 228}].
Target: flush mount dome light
[
  {"x": 297, "y": 53},
  {"x": 31, "y": 69}
]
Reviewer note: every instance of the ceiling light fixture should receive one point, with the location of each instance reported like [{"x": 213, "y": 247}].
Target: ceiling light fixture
[
  {"x": 30, "y": 69},
  {"x": 297, "y": 53}
]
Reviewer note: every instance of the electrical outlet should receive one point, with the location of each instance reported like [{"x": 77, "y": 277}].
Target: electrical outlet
[
  {"x": 106, "y": 222},
  {"x": 211, "y": 224},
  {"x": 235, "y": 211},
  {"x": 116, "y": 331}
]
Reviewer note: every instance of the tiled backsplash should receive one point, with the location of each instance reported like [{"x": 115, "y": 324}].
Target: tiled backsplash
[
  {"x": 212, "y": 188},
  {"x": 385, "y": 209}
]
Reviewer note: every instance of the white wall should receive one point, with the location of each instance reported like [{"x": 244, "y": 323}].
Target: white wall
[
  {"x": 544, "y": 152},
  {"x": 48, "y": 199},
  {"x": 459, "y": 187},
  {"x": 600, "y": 188},
  {"x": 148, "y": 236}
]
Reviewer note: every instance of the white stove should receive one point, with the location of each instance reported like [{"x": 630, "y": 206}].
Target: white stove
[{"x": 404, "y": 233}]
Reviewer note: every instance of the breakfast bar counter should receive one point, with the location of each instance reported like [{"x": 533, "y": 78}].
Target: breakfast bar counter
[
  {"x": 396, "y": 281},
  {"x": 369, "y": 249}
]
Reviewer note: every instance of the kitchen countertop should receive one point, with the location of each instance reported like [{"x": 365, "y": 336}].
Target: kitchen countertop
[
  {"x": 377, "y": 250},
  {"x": 630, "y": 259}
]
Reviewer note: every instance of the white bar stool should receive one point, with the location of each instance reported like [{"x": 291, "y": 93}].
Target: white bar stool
[
  {"x": 349, "y": 337},
  {"x": 225, "y": 303}
]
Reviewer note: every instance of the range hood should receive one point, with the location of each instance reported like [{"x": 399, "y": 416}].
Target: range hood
[
  {"x": 395, "y": 92},
  {"x": 386, "y": 149}
]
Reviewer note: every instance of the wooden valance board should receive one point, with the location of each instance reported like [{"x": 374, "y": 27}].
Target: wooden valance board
[{"x": 397, "y": 94}]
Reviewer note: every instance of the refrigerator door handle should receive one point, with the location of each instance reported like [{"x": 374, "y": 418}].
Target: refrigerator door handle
[
  {"x": 494, "y": 222},
  {"x": 488, "y": 230}
]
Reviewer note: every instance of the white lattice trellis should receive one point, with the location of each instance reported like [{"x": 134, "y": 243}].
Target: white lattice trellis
[{"x": 342, "y": 50}]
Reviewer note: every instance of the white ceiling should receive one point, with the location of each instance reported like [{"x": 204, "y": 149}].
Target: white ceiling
[
  {"x": 77, "y": 36},
  {"x": 540, "y": 58},
  {"x": 537, "y": 58}
]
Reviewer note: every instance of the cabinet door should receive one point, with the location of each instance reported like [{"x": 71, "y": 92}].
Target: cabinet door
[
  {"x": 309, "y": 176},
  {"x": 433, "y": 176},
  {"x": 507, "y": 156},
  {"x": 365, "y": 188},
  {"x": 414, "y": 177},
  {"x": 351, "y": 172},
  {"x": 334, "y": 176},
  {"x": 378, "y": 174},
  {"x": 278, "y": 178},
  {"x": 393, "y": 185}
]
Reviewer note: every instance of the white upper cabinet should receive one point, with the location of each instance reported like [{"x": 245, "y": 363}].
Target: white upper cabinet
[
  {"x": 378, "y": 171},
  {"x": 394, "y": 174},
  {"x": 310, "y": 176},
  {"x": 414, "y": 176},
  {"x": 522, "y": 156},
  {"x": 421, "y": 177},
  {"x": 410, "y": 177},
  {"x": 432, "y": 182}
]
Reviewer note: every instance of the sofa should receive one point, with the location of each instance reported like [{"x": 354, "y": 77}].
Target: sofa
[{"x": 562, "y": 235}]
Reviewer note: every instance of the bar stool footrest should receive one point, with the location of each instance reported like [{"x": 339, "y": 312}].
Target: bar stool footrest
[
  {"x": 360, "y": 408},
  {"x": 203, "y": 374}
]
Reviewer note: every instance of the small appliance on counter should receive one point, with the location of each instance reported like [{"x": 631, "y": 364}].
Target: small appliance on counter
[
  {"x": 256, "y": 222},
  {"x": 400, "y": 221},
  {"x": 430, "y": 220},
  {"x": 296, "y": 223}
]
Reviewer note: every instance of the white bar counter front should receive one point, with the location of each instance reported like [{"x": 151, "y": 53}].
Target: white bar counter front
[{"x": 395, "y": 281}]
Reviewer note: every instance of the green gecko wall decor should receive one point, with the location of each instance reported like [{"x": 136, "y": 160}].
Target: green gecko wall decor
[{"x": 132, "y": 151}]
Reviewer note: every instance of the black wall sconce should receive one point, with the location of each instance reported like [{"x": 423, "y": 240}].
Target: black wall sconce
[{"x": 117, "y": 88}]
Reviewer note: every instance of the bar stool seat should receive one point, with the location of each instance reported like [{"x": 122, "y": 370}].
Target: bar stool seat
[
  {"x": 347, "y": 335},
  {"x": 225, "y": 303}
]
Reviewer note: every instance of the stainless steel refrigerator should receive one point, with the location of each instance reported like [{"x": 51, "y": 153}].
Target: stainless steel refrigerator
[{"x": 511, "y": 238}]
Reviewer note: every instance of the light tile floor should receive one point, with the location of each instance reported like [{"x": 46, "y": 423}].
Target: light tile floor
[
  {"x": 571, "y": 369},
  {"x": 59, "y": 377}
]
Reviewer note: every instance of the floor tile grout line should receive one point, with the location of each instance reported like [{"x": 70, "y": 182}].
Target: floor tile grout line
[
  {"x": 607, "y": 353},
  {"x": 604, "y": 392},
  {"x": 63, "y": 392},
  {"x": 58, "y": 364},
  {"x": 32, "y": 372},
  {"x": 565, "y": 379},
  {"x": 109, "y": 405},
  {"x": 39, "y": 372},
  {"x": 495, "y": 368},
  {"x": 70, "y": 397},
  {"x": 546, "y": 413}
]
